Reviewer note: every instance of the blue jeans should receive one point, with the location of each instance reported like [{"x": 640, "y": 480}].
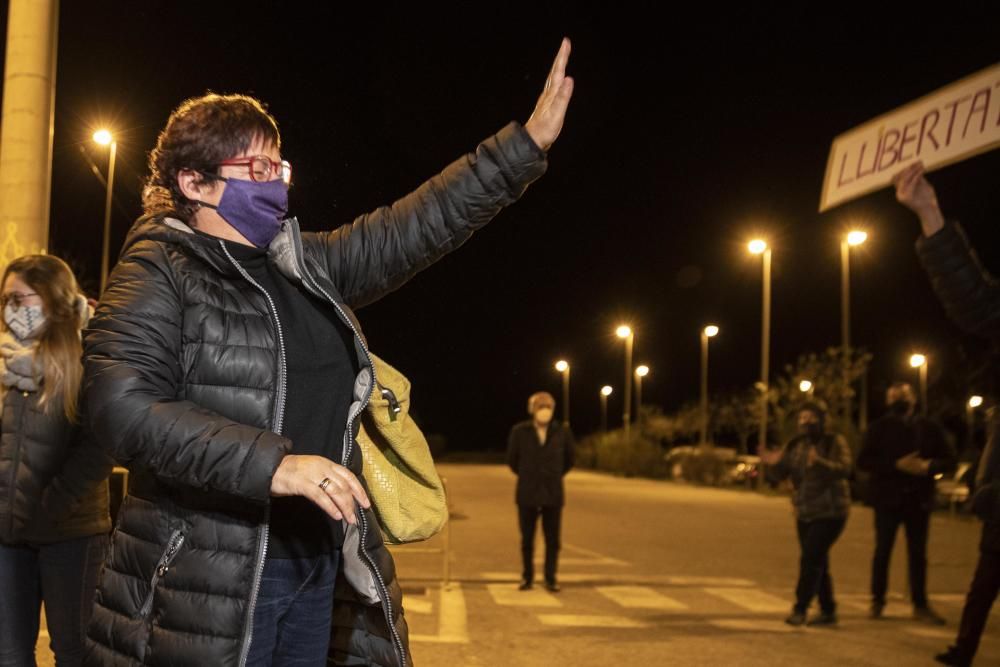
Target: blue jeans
[
  {"x": 291, "y": 622},
  {"x": 64, "y": 575}
]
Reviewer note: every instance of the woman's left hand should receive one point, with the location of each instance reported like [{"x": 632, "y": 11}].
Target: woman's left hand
[{"x": 547, "y": 119}]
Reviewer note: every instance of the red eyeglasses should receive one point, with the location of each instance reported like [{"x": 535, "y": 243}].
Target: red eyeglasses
[{"x": 262, "y": 167}]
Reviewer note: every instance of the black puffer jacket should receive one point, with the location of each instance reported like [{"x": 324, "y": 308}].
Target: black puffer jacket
[
  {"x": 821, "y": 490},
  {"x": 186, "y": 383},
  {"x": 971, "y": 296},
  {"x": 53, "y": 479}
]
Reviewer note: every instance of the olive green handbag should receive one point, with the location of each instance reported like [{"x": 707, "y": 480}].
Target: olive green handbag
[{"x": 403, "y": 483}]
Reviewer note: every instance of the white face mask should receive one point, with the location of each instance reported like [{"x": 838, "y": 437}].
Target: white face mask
[
  {"x": 543, "y": 415},
  {"x": 25, "y": 322}
]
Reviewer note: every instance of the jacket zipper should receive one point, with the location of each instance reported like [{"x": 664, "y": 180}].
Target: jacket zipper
[
  {"x": 162, "y": 566},
  {"x": 347, "y": 457},
  {"x": 278, "y": 421}
]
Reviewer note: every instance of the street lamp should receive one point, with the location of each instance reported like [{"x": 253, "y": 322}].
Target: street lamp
[
  {"x": 605, "y": 392},
  {"x": 104, "y": 138},
  {"x": 625, "y": 332},
  {"x": 711, "y": 331},
  {"x": 853, "y": 238},
  {"x": 760, "y": 247},
  {"x": 563, "y": 367},
  {"x": 920, "y": 361},
  {"x": 640, "y": 372},
  {"x": 806, "y": 387},
  {"x": 970, "y": 418}
]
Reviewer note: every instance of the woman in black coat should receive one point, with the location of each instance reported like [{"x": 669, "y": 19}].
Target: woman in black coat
[{"x": 53, "y": 481}]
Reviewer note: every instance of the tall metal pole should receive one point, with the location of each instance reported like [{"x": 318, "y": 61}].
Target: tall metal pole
[
  {"x": 765, "y": 349},
  {"x": 845, "y": 324},
  {"x": 626, "y": 417},
  {"x": 704, "y": 388},
  {"x": 566, "y": 397},
  {"x": 107, "y": 215},
  {"x": 638, "y": 399},
  {"x": 604, "y": 413},
  {"x": 923, "y": 387}
]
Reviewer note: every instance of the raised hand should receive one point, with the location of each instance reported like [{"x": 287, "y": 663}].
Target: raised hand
[
  {"x": 332, "y": 487},
  {"x": 916, "y": 193},
  {"x": 547, "y": 119}
]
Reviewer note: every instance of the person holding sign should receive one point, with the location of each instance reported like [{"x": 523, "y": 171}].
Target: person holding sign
[{"x": 971, "y": 296}]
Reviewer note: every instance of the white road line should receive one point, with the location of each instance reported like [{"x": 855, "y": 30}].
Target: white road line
[
  {"x": 572, "y": 561},
  {"x": 640, "y": 597},
  {"x": 573, "y": 621},
  {"x": 727, "y": 582},
  {"x": 601, "y": 559},
  {"x": 509, "y": 596},
  {"x": 751, "y": 599},
  {"x": 752, "y": 625},
  {"x": 418, "y": 605},
  {"x": 452, "y": 623}
]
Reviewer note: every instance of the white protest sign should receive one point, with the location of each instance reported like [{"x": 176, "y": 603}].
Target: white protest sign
[{"x": 944, "y": 127}]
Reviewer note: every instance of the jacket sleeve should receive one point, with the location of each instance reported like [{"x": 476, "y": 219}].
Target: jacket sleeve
[
  {"x": 782, "y": 469},
  {"x": 513, "y": 450},
  {"x": 380, "y": 251},
  {"x": 943, "y": 459},
  {"x": 970, "y": 295},
  {"x": 838, "y": 464},
  {"x": 86, "y": 466},
  {"x": 132, "y": 381}
]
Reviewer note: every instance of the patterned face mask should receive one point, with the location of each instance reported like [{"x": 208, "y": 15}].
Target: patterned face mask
[{"x": 24, "y": 322}]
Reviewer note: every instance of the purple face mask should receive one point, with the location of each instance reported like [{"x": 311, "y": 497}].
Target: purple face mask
[{"x": 255, "y": 209}]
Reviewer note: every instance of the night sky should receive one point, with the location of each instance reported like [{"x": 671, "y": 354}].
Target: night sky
[{"x": 687, "y": 135}]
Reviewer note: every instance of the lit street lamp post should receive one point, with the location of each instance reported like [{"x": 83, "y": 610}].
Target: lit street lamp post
[
  {"x": 625, "y": 332},
  {"x": 711, "y": 331},
  {"x": 853, "y": 238},
  {"x": 920, "y": 361},
  {"x": 640, "y": 372},
  {"x": 807, "y": 388},
  {"x": 760, "y": 247},
  {"x": 605, "y": 392},
  {"x": 970, "y": 418},
  {"x": 104, "y": 138},
  {"x": 563, "y": 367}
]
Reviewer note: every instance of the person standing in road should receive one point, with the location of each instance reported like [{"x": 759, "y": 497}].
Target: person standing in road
[
  {"x": 903, "y": 451},
  {"x": 540, "y": 452},
  {"x": 971, "y": 297},
  {"x": 818, "y": 464}
]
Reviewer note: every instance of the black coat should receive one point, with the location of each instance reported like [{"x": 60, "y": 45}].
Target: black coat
[
  {"x": 971, "y": 297},
  {"x": 186, "y": 384},
  {"x": 540, "y": 467},
  {"x": 892, "y": 437},
  {"x": 821, "y": 490},
  {"x": 53, "y": 478}
]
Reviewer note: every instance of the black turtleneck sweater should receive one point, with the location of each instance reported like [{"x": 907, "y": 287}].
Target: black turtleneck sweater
[{"x": 321, "y": 367}]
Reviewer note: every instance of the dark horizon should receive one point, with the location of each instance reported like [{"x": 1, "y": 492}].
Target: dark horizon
[{"x": 681, "y": 143}]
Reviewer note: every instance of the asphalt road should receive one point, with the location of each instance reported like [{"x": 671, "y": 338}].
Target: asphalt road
[{"x": 656, "y": 573}]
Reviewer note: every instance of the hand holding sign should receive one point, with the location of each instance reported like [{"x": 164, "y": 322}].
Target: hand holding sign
[{"x": 915, "y": 192}]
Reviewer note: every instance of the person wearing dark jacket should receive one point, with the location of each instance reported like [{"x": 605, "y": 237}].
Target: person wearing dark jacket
[
  {"x": 54, "y": 521},
  {"x": 818, "y": 464},
  {"x": 540, "y": 452},
  {"x": 226, "y": 369},
  {"x": 971, "y": 297},
  {"x": 903, "y": 452}
]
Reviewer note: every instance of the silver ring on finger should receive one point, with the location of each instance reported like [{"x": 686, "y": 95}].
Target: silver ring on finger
[{"x": 325, "y": 483}]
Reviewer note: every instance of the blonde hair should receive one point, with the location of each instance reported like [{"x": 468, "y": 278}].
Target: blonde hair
[{"x": 60, "y": 349}]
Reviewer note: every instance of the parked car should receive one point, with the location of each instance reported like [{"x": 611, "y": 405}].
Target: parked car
[{"x": 952, "y": 491}]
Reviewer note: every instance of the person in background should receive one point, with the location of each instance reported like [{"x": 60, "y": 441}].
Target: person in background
[
  {"x": 971, "y": 297},
  {"x": 903, "y": 452},
  {"x": 818, "y": 463},
  {"x": 540, "y": 452},
  {"x": 54, "y": 520}
]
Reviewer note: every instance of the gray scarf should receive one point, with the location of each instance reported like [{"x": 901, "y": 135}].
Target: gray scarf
[{"x": 17, "y": 364}]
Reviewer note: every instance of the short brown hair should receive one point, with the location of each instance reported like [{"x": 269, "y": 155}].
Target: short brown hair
[{"x": 201, "y": 133}]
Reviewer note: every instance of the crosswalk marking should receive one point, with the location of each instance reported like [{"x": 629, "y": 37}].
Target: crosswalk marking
[
  {"x": 751, "y": 625},
  {"x": 418, "y": 605},
  {"x": 752, "y": 599},
  {"x": 727, "y": 582},
  {"x": 452, "y": 622},
  {"x": 510, "y": 596},
  {"x": 640, "y": 597},
  {"x": 577, "y": 621}
]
